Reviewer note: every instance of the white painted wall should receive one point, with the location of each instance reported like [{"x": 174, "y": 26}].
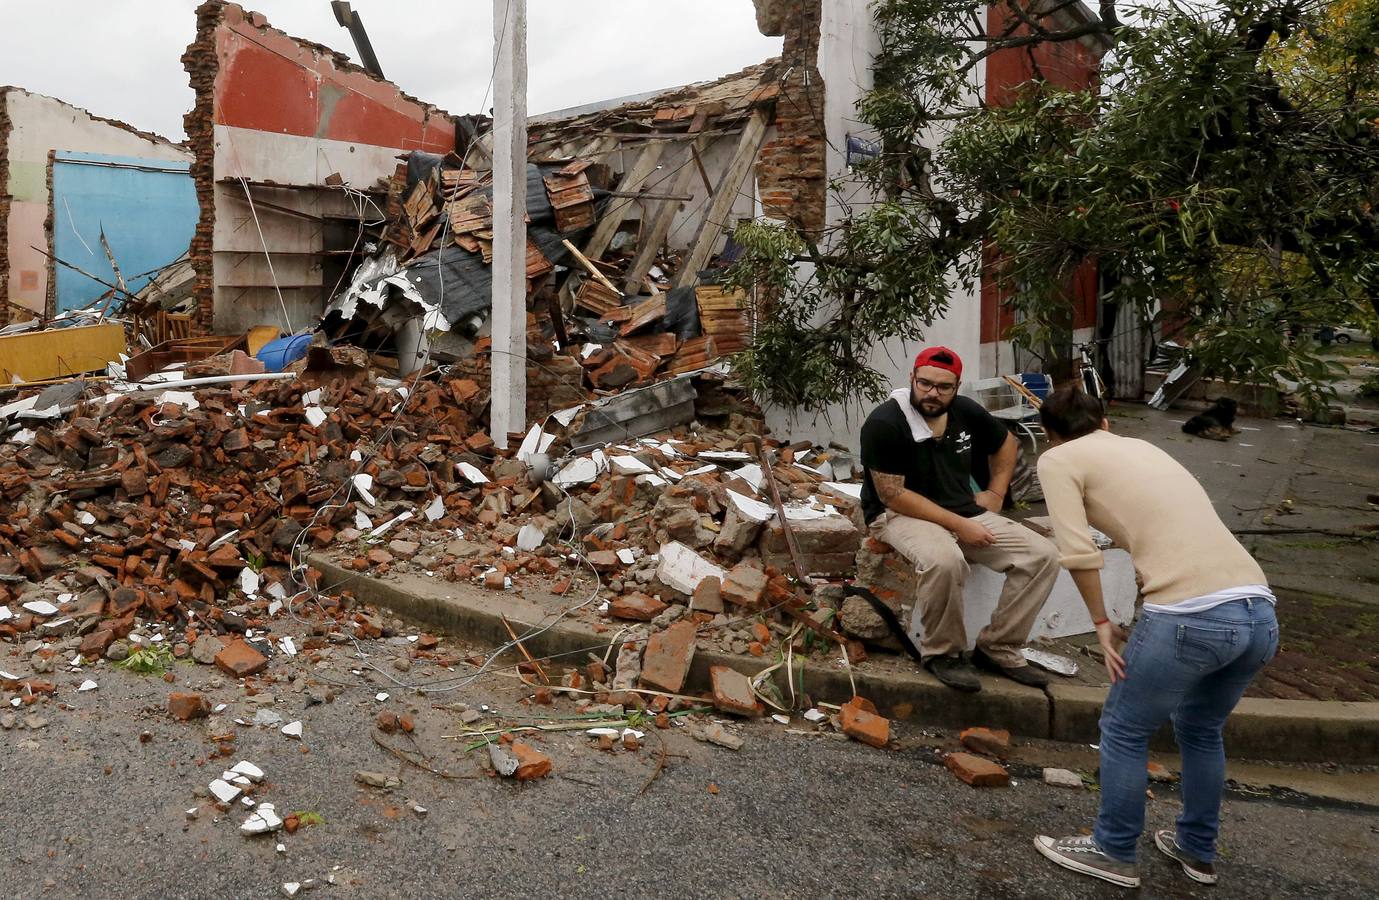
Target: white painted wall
[
  {"x": 848, "y": 44},
  {"x": 715, "y": 158},
  {"x": 245, "y": 275},
  {"x": 39, "y": 125}
]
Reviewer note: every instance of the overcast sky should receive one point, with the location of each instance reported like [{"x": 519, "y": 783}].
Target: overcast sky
[{"x": 123, "y": 60}]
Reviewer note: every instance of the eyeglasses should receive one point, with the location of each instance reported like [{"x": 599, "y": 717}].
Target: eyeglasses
[{"x": 925, "y": 385}]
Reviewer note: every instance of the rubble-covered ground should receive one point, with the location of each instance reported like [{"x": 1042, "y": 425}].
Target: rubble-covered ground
[{"x": 106, "y": 793}]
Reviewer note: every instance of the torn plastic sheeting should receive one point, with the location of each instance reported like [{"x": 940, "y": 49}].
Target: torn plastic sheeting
[{"x": 682, "y": 313}]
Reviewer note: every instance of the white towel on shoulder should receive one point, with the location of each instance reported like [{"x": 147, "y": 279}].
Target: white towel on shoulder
[{"x": 919, "y": 429}]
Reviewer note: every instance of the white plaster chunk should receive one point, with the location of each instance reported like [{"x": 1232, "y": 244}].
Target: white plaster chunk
[
  {"x": 629, "y": 465},
  {"x": 681, "y": 569},
  {"x": 387, "y": 526},
  {"x": 363, "y": 483},
  {"x": 580, "y": 471},
  {"x": 41, "y": 608},
  {"x": 750, "y": 509},
  {"x": 248, "y": 770},
  {"x": 530, "y": 537},
  {"x": 224, "y": 791},
  {"x": 264, "y": 820},
  {"x": 472, "y": 473}
]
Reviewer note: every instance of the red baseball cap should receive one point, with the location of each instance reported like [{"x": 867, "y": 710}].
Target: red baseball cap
[{"x": 940, "y": 358}]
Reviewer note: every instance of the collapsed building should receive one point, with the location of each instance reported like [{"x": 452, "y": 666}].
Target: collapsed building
[{"x": 338, "y": 211}]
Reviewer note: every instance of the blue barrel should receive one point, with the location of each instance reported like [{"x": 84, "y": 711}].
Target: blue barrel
[{"x": 278, "y": 355}]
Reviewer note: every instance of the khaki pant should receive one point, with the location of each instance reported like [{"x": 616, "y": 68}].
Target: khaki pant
[{"x": 1029, "y": 562}]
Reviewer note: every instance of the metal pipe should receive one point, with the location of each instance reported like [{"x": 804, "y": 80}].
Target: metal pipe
[{"x": 214, "y": 379}]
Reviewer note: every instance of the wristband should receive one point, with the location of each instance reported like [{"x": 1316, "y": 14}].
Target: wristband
[{"x": 1099, "y": 622}]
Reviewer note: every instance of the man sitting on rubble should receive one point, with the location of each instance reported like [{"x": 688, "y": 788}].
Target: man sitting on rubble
[{"x": 936, "y": 470}]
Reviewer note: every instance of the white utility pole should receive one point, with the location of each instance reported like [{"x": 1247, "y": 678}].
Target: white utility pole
[{"x": 508, "y": 411}]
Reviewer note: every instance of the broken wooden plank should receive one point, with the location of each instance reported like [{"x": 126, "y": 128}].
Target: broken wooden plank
[
  {"x": 643, "y": 314},
  {"x": 590, "y": 267},
  {"x": 597, "y": 298},
  {"x": 661, "y": 343},
  {"x": 615, "y": 211},
  {"x": 716, "y": 217},
  {"x": 654, "y": 234}
]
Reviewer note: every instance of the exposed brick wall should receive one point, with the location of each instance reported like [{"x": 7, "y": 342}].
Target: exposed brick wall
[
  {"x": 5, "y": 125},
  {"x": 50, "y": 292},
  {"x": 792, "y": 172},
  {"x": 202, "y": 64},
  {"x": 552, "y": 385}
]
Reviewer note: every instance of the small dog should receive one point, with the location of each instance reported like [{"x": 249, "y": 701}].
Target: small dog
[{"x": 1216, "y": 423}]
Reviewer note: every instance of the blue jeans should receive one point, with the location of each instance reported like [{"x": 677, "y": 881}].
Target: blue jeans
[{"x": 1193, "y": 669}]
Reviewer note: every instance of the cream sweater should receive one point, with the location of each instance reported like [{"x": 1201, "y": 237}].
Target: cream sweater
[{"x": 1148, "y": 504}]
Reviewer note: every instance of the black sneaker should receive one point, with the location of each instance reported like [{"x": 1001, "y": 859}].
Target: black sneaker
[
  {"x": 1194, "y": 868},
  {"x": 955, "y": 673},
  {"x": 1025, "y": 674},
  {"x": 1081, "y": 854}
]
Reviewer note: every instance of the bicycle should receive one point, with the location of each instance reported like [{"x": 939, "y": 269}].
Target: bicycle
[{"x": 1092, "y": 383}]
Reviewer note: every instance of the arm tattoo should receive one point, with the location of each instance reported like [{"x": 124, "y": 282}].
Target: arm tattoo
[{"x": 888, "y": 487}]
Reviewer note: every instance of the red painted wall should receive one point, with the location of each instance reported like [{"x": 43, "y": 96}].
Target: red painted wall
[
  {"x": 269, "y": 81},
  {"x": 1068, "y": 65}
]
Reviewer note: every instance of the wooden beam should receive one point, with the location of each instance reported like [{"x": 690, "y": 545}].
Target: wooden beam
[
  {"x": 716, "y": 217},
  {"x": 655, "y": 235},
  {"x": 631, "y": 183},
  {"x": 584, "y": 261}
]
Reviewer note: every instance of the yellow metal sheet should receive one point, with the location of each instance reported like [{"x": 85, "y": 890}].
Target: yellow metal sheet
[{"x": 36, "y": 355}]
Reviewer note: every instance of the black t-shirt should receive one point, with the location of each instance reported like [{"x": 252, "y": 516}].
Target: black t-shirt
[{"x": 942, "y": 470}]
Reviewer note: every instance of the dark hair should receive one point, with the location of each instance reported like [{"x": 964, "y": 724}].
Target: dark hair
[{"x": 1070, "y": 413}]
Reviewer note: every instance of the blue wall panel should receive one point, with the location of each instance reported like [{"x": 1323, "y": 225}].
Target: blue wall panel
[{"x": 148, "y": 209}]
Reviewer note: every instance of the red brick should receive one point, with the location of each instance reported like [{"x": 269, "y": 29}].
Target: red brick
[
  {"x": 667, "y": 659},
  {"x": 185, "y": 706},
  {"x": 862, "y": 723},
  {"x": 976, "y": 770},
  {"x": 531, "y": 763},
  {"x": 94, "y": 645},
  {"x": 708, "y": 595},
  {"x": 638, "y": 607},
  {"x": 732, "y": 692},
  {"x": 744, "y": 585},
  {"x": 605, "y": 560},
  {"x": 240, "y": 660},
  {"x": 495, "y": 580},
  {"x": 987, "y": 742}
]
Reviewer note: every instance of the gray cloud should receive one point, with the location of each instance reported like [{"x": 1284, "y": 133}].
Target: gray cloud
[{"x": 123, "y": 60}]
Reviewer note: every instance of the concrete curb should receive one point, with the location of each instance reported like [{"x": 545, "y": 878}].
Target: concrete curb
[{"x": 1283, "y": 730}]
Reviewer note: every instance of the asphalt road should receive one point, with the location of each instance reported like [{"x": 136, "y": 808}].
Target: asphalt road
[{"x": 87, "y": 809}]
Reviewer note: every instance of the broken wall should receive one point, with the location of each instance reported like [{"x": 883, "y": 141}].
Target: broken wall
[
  {"x": 839, "y": 75},
  {"x": 275, "y": 118},
  {"x": 32, "y": 129}
]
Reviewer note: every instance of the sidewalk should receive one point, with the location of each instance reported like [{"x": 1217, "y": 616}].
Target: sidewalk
[{"x": 1248, "y": 478}]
